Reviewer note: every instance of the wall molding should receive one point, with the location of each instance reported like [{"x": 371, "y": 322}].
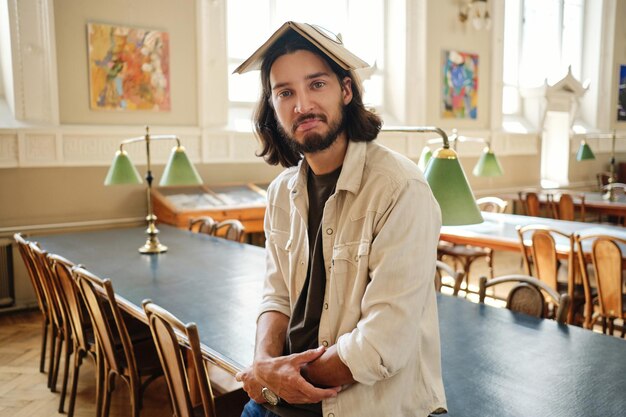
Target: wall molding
[{"x": 86, "y": 146}]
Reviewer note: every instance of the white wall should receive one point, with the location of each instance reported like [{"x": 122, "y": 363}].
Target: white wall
[{"x": 178, "y": 18}]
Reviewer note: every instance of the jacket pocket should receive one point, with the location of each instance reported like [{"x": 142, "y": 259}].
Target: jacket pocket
[{"x": 349, "y": 270}]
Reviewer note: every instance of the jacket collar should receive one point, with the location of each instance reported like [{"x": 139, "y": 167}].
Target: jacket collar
[{"x": 351, "y": 173}]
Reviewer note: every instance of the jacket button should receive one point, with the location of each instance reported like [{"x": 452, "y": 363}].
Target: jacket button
[
  {"x": 329, "y": 231},
  {"x": 325, "y": 306},
  {"x": 325, "y": 343}
]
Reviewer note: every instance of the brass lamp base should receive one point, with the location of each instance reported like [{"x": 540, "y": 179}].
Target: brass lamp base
[{"x": 153, "y": 246}]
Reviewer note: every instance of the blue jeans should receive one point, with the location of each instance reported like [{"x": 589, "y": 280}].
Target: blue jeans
[{"x": 253, "y": 409}]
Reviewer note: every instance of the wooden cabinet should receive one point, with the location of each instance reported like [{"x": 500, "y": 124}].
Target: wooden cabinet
[{"x": 245, "y": 202}]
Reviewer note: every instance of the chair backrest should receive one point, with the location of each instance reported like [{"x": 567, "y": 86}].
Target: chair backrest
[
  {"x": 492, "y": 204},
  {"x": 165, "y": 327},
  {"x": 203, "y": 224},
  {"x": 457, "y": 277},
  {"x": 75, "y": 306},
  {"x": 564, "y": 208},
  {"x": 607, "y": 259},
  {"x": 49, "y": 285},
  {"x": 542, "y": 246},
  {"x": 100, "y": 301},
  {"x": 25, "y": 253},
  {"x": 530, "y": 201},
  {"x": 230, "y": 229},
  {"x": 527, "y": 296}
]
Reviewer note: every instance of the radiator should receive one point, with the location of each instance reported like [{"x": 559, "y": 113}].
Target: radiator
[{"x": 7, "y": 289}]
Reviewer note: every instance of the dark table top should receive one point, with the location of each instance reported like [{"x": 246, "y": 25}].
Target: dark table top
[
  {"x": 499, "y": 363},
  {"x": 495, "y": 363},
  {"x": 213, "y": 282}
]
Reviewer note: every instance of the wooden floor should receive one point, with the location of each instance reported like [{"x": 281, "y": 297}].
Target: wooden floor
[{"x": 24, "y": 391}]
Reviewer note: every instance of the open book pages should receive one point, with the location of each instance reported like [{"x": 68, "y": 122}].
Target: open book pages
[{"x": 324, "y": 40}]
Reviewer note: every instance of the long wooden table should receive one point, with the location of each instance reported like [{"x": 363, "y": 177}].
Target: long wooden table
[
  {"x": 594, "y": 201},
  {"x": 494, "y": 362},
  {"x": 498, "y": 231}
]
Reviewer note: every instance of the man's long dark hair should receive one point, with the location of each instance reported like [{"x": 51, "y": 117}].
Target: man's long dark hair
[{"x": 360, "y": 123}]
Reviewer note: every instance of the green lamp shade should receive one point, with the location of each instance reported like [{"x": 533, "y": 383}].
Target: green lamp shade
[
  {"x": 584, "y": 152},
  {"x": 122, "y": 171},
  {"x": 451, "y": 189},
  {"x": 424, "y": 158},
  {"x": 179, "y": 170},
  {"x": 488, "y": 165}
]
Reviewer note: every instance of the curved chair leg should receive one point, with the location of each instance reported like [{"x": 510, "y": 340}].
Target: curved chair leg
[
  {"x": 99, "y": 383},
  {"x": 57, "y": 362},
  {"x": 44, "y": 342},
  {"x": 108, "y": 389},
  {"x": 78, "y": 360},
  {"x": 69, "y": 349},
  {"x": 53, "y": 345}
]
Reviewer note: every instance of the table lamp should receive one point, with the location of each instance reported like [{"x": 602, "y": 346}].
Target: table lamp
[
  {"x": 447, "y": 181},
  {"x": 178, "y": 171},
  {"x": 585, "y": 153},
  {"x": 488, "y": 165}
]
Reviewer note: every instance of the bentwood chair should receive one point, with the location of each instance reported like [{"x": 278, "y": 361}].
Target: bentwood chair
[
  {"x": 42, "y": 303},
  {"x": 465, "y": 255},
  {"x": 185, "y": 368},
  {"x": 607, "y": 257},
  {"x": 538, "y": 245},
  {"x": 230, "y": 229},
  {"x": 60, "y": 327},
  {"x": 83, "y": 338},
  {"x": 564, "y": 208},
  {"x": 203, "y": 224},
  {"x": 527, "y": 296},
  {"x": 137, "y": 364},
  {"x": 530, "y": 202},
  {"x": 457, "y": 277}
]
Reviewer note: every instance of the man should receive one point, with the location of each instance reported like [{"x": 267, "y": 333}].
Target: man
[{"x": 348, "y": 323}]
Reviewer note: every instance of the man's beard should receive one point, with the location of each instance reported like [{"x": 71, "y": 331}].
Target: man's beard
[{"x": 314, "y": 142}]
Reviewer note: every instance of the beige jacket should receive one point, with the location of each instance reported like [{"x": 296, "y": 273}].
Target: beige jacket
[{"x": 380, "y": 231}]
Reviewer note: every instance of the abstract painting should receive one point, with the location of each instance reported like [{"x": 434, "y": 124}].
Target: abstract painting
[
  {"x": 460, "y": 85},
  {"x": 621, "y": 94},
  {"x": 129, "y": 68}
]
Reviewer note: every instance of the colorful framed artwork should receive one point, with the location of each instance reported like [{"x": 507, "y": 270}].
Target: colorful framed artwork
[
  {"x": 460, "y": 85},
  {"x": 129, "y": 68},
  {"x": 621, "y": 95}
]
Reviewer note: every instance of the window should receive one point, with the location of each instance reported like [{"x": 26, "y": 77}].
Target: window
[
  {"x": 249, "y": 22},
  {"x": 542, "y": 38}
]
